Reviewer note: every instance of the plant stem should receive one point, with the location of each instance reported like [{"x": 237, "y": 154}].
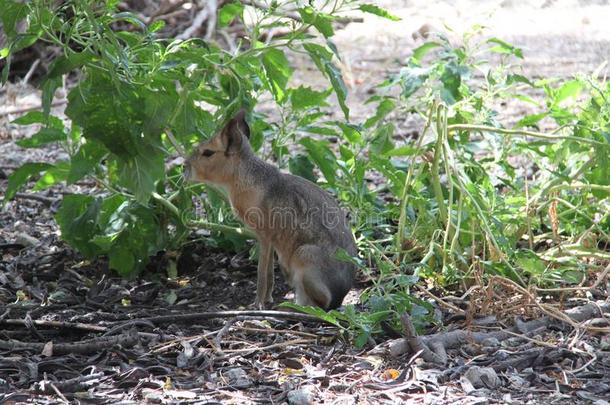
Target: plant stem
[
  {"x": 203, "y": 224},
  {"x": 485, "y": 128},
  {"x": 597, "y": 187},
  {"x": 404, "y": 198},
  {"x": 222, "y": 228},
  {"x": 167, "y": 204},
  {"x": 435, "y": 176},
  {"x": 557, "y": 180}
]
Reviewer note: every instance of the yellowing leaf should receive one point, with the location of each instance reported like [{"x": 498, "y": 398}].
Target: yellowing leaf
[
  {"x": 291, "y": 371},
  {"x": 21, "y": 295},
  {"x": 390, "y": 374}
]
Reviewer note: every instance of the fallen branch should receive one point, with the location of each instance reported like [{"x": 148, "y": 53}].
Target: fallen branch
[
  {"x": 56, "y": 324},
  {"x": 82, "y": 347},
  {"x": 434, "y": 347},
  {"x": 80, "y": 383},
  {"x": 36, "y": 197},
  {"x": 32, "y": 108},
  {"x": 199, "y": 316}
]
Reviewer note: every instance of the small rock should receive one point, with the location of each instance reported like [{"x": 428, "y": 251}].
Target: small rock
[
  {"x": 302, "y": 396},
  {"x": 183, "y": 357},
  {"x": 483, "y": 377},
  {"x": 516, "y": 382},
  {"x": 491, "y": 342},
  {"x": 24, "y": 239},
  {"x": 237, "y": 378},
  {"x": 291, "y": 363}
]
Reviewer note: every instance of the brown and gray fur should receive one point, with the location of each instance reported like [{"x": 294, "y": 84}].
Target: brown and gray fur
[{"x": 292, "y": 216}]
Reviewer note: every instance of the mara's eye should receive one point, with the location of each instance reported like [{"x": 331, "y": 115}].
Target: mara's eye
[{"x": 207, "y": 152}]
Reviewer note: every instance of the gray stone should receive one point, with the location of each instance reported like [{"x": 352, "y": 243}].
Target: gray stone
[
  {"x": 302, "y": 396},
  {"x": 483, "y": 377}
]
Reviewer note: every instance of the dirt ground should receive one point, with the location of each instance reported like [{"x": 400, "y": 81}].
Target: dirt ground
[{"x": 246, "y": 359}]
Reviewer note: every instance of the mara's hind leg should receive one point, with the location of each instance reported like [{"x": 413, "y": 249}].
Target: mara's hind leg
[{"x": 307, "y": 274}]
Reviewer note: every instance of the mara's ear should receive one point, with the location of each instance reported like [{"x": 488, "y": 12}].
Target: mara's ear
[{"x": 234, "y": 132}]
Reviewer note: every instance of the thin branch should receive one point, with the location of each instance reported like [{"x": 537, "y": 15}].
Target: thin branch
[
  {"x": 31, "y": 108},
  {"x": 198, "y": 316},
  {"x": 56, "y": 324},
  {"x": 540, "y": 135}
]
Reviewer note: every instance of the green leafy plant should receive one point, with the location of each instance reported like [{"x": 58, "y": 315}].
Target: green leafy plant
[
  {"x": 140, "y": 99},
  {"x": 470, "y": 198}
]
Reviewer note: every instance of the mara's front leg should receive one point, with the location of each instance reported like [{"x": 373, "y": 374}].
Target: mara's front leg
[{"x": 264, "y": 276}]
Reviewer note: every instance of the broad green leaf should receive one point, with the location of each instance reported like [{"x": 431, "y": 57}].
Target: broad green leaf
[
  {"x": 530, "y": 262},
  {"x": 85, "y": 160},
  {"x": 570, "y": 89},
  {"x": 303, "y": 98},
  {"x": 111, "y": 5},
  {"x": 310, "y": 117},
  {"x": 112, "y": 221},
  {"x": 77, "y": 218},
  {"x": 405, "y": 150},
  {"x": 422, "y": 51},
  {"x": 315, "y": 311},
  {"x": 336, "y": 79},
  {"x": 517, "y": 78},
  {"x": 300, "y": 165},
  {"x": 21, "y": 176},
  {"x": 122, "y": 259},
  {"x": 110, "y": 115},
  {"x": 5, "y": 70},
  {"x": 530, "y": 120},
  {"x": 112, "y": 207},
  {"x": 382, "y": 142},
  {"x": 278, "y": 71},
  {"x": 350, "y": 132},
  {"x": 320, "y": 130},
  {"x": 395, "y": 177},
  {"x": 37, "y": 117},
  {"x": 229, "y": 12},
  {"x": 189, "y": 119},
  {"x": 322, "y": 21},
  {"x": 48, "y": 92},
  {"x": 140, "y": 173},
  {"x": 66, "y": 63},
  {"x": 130, "y": 18},
  {"x": 599, "y": 173},
  {"x": 411, "y": 79},
  {"x": 452, "y": 80},
  {"x": 142, "y": 236},
  {"x": 319, "y": 54},
  {"x": 43, "y": 137},
  {"x": 156, "y": 26},
  {"x": 385, "y": 107},
  {"x": 54, "y": 175},
  {"x": 362, "y": 337},
  {"x": 12, "y": 13},
  {"x": 378, "y": 11},
  {"x": 322, "y": 156},
  {"x": 505, "y": 47},
  {"x": 323, "y": 60}
]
